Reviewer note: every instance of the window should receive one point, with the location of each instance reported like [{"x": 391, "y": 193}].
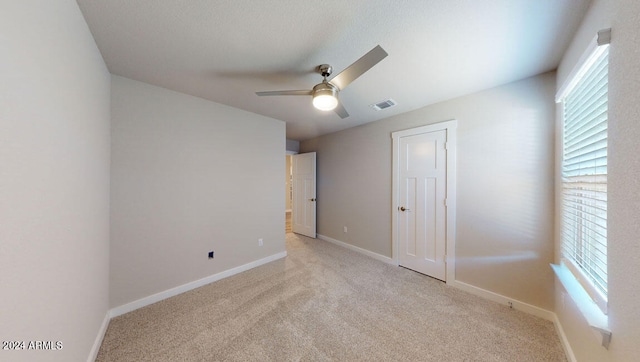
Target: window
[{"x": 584, "y": 174}]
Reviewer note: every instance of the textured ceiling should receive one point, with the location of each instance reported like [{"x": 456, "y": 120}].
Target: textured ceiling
[{"x": 225, "y": 51}]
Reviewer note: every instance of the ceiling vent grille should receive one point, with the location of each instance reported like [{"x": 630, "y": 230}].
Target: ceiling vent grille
[{"x": 383, "y": 104}]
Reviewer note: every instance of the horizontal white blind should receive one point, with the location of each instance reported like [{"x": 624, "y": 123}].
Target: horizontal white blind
[{"x": 584, "y": 174}]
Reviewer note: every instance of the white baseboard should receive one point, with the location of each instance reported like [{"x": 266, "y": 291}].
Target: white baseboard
[
  {"x": 366, "y": 252},
  {"x": 563, "y": 339},
  {"x": 98, "y": 342},
  {"x": 126, "y": 308},
  {"x": 524, "y": 307},
  {"x": 521, "y": 306},
  {"x": 499, "y": 298}
]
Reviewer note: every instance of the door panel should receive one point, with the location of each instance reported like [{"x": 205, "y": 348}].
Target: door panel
[
  {"x": 434, "y": 220},
  {"x": 408, "y": 234},
  {"x": 422, "y": 193},
  {"x": 304, "y": 194}
]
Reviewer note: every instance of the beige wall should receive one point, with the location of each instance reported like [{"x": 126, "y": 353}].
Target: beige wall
[
  {"x": 189, "y": 176},
  {"x": 287, "y": 181},
  {"x": 624, "y": 189},
  {"x": 54, "y": 180},
  {"x": 504, "y": 186}
]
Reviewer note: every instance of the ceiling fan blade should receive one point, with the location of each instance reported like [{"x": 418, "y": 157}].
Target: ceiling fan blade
[
  {"x": 285, "y": 93},
  {"x": 341, "y": 111},
  {"x": 359, "y": 67}
]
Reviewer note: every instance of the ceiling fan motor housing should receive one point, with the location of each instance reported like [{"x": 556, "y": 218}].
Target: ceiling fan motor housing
[{"x": 325, "y": 70}]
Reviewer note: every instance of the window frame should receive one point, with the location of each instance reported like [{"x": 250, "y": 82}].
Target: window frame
[{"x": 584, "y": 66}]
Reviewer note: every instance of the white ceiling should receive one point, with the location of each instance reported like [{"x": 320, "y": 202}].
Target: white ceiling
[{"x": 227, "y": 50}]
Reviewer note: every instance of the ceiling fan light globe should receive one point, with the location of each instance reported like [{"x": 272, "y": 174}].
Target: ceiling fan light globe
[
  {"x": 325, "y": 97},
  {"x": 325, "y": 102}
]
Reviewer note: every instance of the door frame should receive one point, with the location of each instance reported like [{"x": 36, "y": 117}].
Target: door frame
[{"x": 450, "y": 194}]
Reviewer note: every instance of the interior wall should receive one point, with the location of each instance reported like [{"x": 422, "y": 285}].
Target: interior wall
[
  {"x": 623, "y": 229},
  {"x": 505, "y": 186},
  {"x": 54, "y": 181},
  {"x": 293, "y": 146},
  {"x": 624, "y": 182},
  {"x": 287, "y": 181},
  {"x": 189, "y": 176}
]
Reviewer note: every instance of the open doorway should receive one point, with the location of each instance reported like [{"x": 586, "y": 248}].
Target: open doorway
[
  {"x": 288, "y": 195},
  {"x": 300, "y": 194}
]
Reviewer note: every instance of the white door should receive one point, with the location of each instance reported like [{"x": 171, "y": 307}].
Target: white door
[
  {"x": 421, "y": 210},
  {"x": 304, "y": 194}
]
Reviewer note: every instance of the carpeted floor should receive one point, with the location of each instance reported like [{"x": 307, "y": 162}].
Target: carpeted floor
[{"x": 326, "y": 303}]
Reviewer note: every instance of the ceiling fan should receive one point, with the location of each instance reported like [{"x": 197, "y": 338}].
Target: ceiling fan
[{"x": 325, "y": 94}]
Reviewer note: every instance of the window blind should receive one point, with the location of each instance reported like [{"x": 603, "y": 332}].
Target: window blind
[{"x": 584, "y": 173}]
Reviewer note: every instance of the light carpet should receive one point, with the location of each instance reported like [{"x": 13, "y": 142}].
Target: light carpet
[{"x": 326, "y": 303}]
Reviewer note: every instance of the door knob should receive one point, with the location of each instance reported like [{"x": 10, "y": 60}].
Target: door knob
[{"x": 401, "y": 208}]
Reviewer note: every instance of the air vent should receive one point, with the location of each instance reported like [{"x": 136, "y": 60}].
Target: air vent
[{"x": 383, "y": 104}]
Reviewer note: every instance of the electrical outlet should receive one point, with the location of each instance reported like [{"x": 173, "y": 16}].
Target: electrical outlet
[
  {"x": 345, "y": 229},
  {"x": 211, "y": 255},
  {"x": 260, "y": 242}
]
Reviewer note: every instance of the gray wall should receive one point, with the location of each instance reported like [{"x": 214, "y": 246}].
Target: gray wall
[
  {"x": 504, "y": 186},
  {"x": 293, "y": 146},
  {"x": 54, "y": 180},
  {"x": 189, "y": 176},
  {"x": 623, "y": 190}
]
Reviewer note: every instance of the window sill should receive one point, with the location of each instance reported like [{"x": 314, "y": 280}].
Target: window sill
[{"x": 589, "y": 309}]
